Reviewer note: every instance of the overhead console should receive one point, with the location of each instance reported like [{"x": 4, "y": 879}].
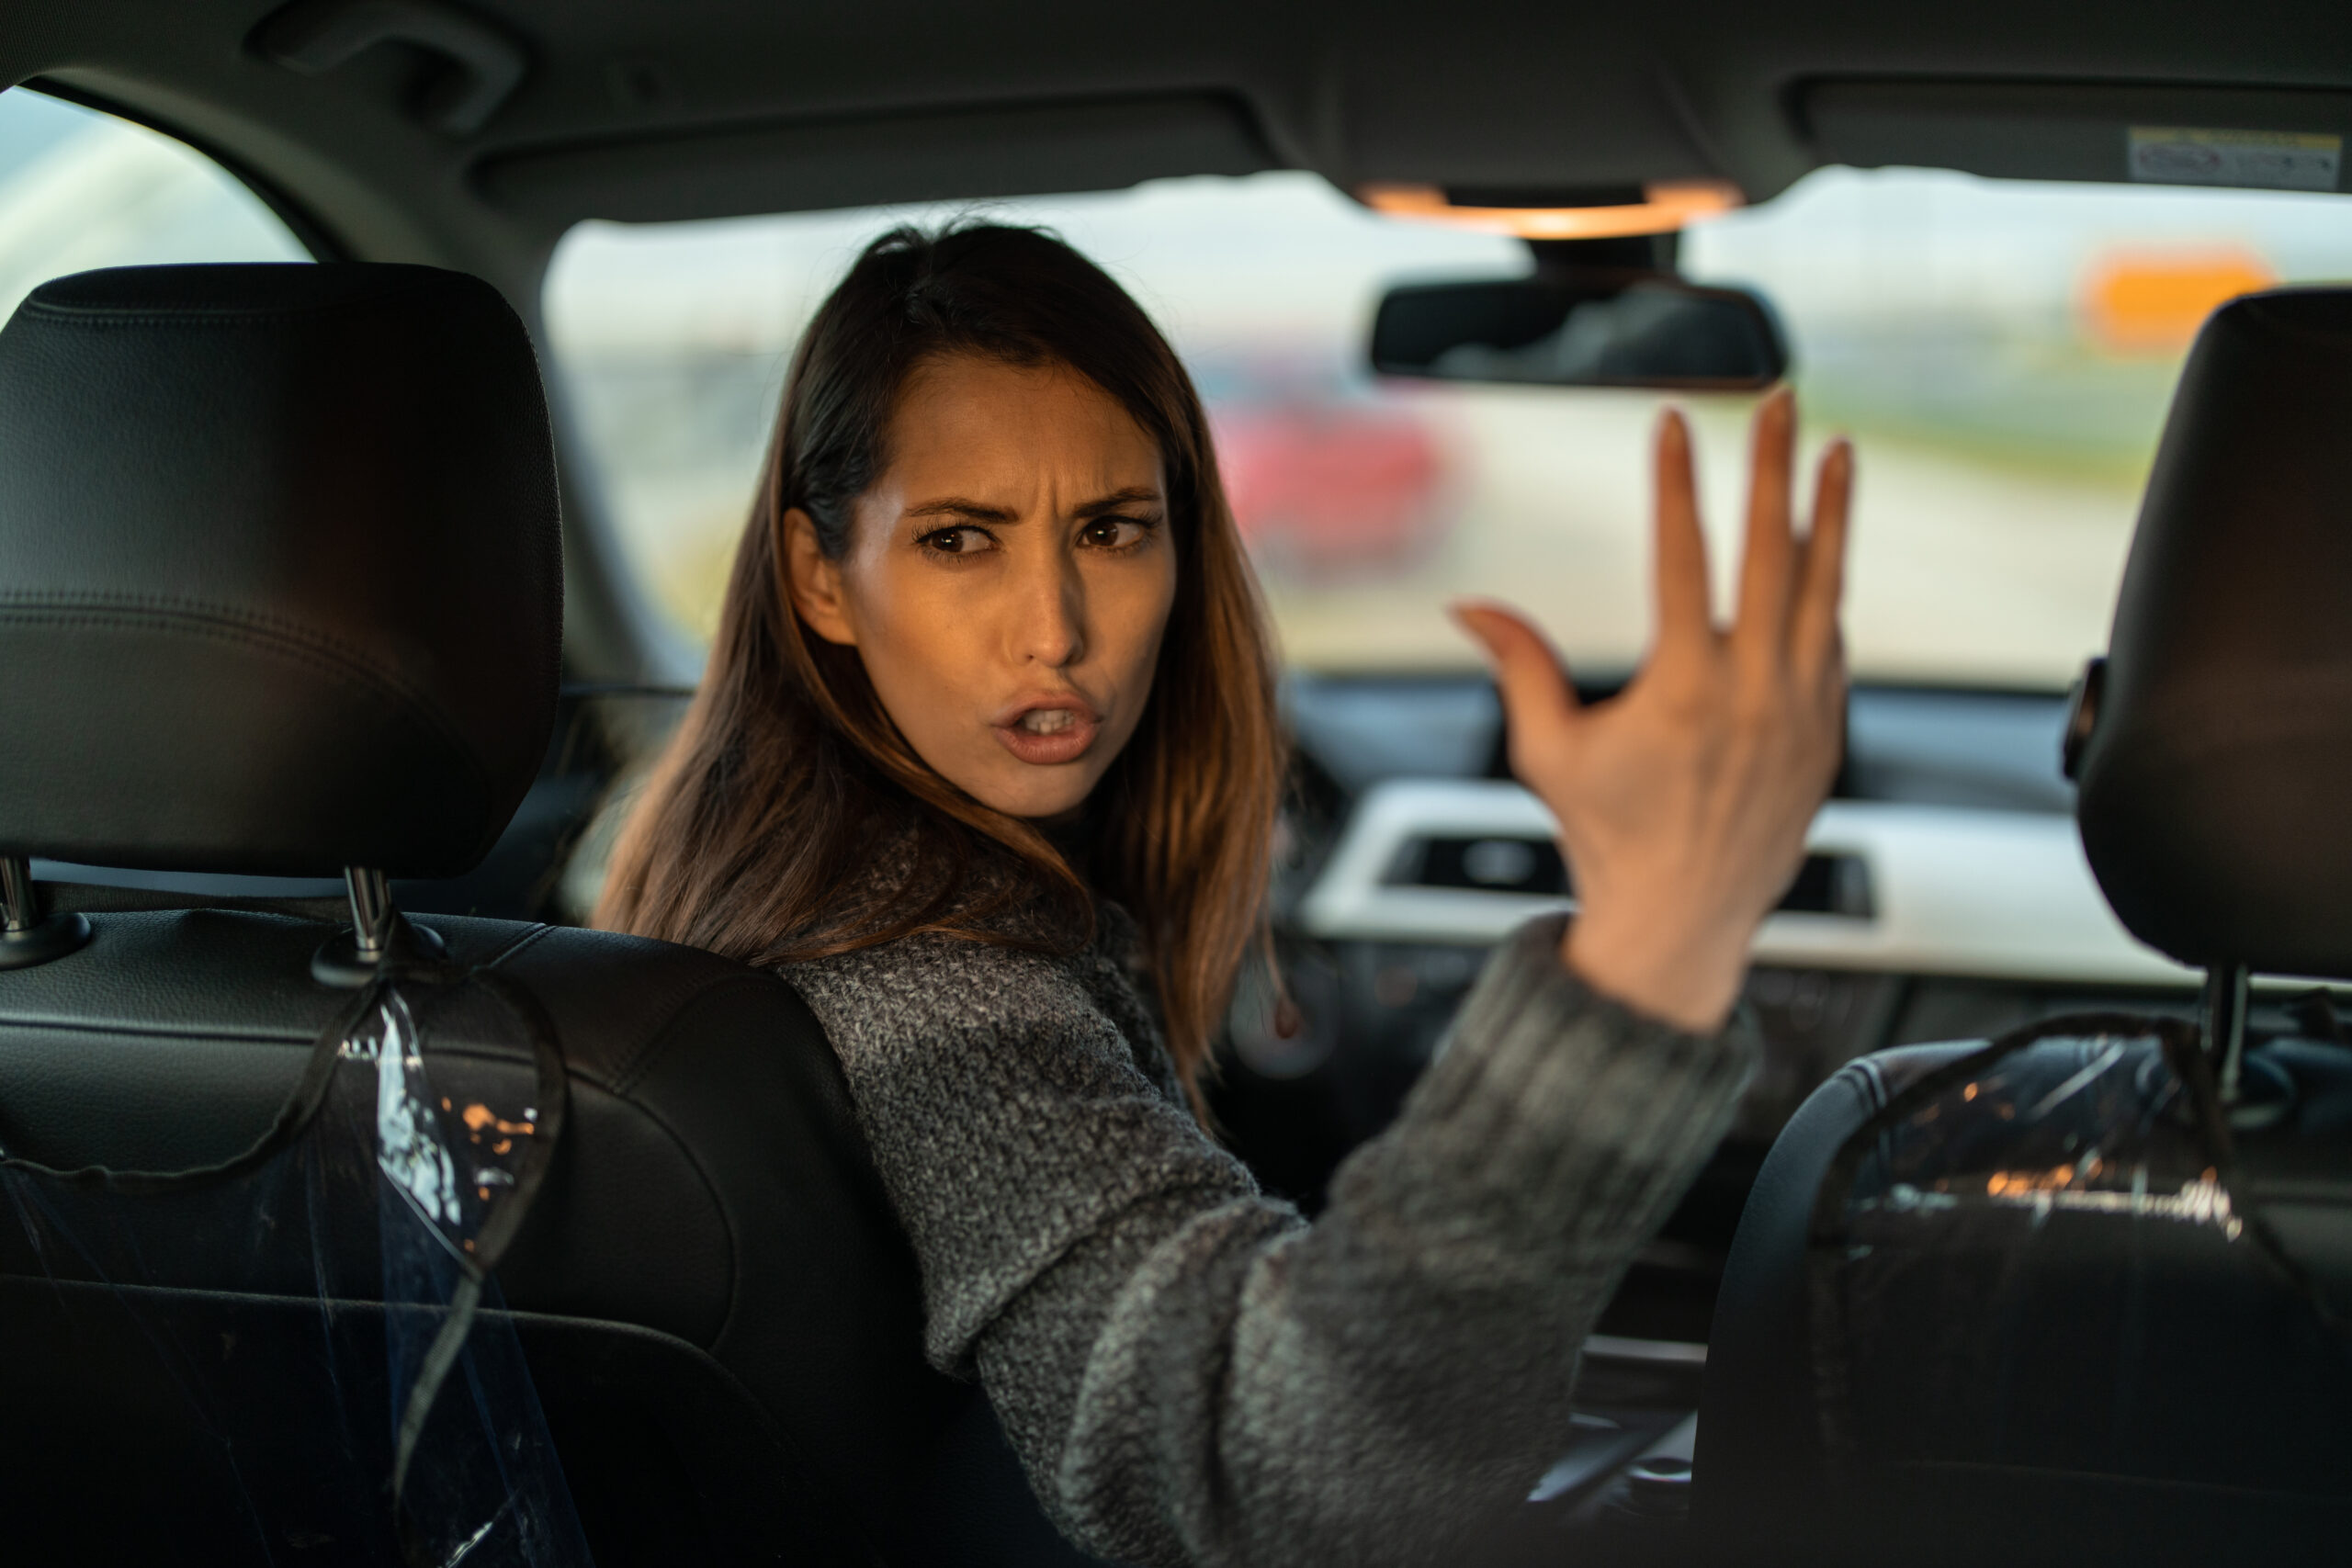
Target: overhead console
[{"x": 2274, "y": 140}]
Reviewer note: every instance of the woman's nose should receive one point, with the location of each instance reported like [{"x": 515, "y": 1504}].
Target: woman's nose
[{"x": 1048, "y": 626}]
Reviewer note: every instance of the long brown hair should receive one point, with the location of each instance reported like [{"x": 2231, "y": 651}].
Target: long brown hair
[{"x": 753, "y": 829}]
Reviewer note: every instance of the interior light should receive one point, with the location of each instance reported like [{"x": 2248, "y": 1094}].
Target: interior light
[{"x": 1665, "y": 205}]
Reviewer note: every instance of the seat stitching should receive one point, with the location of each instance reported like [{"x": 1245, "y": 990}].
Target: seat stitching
[
  {"x": 157, "y": 1030},
  {"x": 631, "y": 1070},
  {"x": 228, "y": 625},
  {"x": 178, "y": 604},
  {"x": 710, "y": 1189},
  {"x": 199, "y": 315},
  {"x": 538, "y": 930}
]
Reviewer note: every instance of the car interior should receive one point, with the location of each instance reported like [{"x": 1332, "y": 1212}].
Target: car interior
[{"x": 382, "y": 391}]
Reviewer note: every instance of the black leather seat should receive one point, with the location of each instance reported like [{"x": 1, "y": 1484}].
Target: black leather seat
[
  {"x": 2083, "y": 1295},
  {"x": 280, "y": 594}
]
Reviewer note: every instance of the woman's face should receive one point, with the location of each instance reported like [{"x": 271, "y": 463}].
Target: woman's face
[{"x": 1007, "y": 581}]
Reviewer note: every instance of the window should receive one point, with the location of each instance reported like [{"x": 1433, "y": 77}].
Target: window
[
  {"x": 81, "y": 189},
  {"x": 2003, "y": 353}
]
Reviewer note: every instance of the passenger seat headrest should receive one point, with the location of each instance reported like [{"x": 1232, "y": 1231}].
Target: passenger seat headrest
[
  {"x": 2215, "y": 759},
  {"x": 281, "y": 586}
]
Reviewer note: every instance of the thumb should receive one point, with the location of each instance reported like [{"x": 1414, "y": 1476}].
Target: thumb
[{"x": 1539, "y": 704}]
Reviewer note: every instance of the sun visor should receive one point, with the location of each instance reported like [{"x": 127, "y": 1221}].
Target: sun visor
[
  {"x": 808, "y": 165},
  {"x": 2196, "y": 136}
]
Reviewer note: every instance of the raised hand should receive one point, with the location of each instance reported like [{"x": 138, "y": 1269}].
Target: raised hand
[{"x": 1683, "y": 802}]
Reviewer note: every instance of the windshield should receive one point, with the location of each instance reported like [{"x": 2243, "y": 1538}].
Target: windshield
[{"x": 2003, "y": 353}]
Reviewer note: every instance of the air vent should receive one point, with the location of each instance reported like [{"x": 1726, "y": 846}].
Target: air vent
[
  {"x": 1830, "y": 885},
  {"x": 1491, "y": 865},
  {"x": 1825, "y": 884}
]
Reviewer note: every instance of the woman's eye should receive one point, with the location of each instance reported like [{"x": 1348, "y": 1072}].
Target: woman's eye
[
  {"x": 1115, "y": 532},
  {"x": 955, "y": 541}
]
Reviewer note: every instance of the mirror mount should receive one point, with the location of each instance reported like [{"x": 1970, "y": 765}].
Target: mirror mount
[{"x": 1658, "y": 254}]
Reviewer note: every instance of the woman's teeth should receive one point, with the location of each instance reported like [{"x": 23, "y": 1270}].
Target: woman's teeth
[{"x": 1047, "y": 721}]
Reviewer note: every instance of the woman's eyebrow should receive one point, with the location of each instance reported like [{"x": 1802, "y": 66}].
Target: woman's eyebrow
[
  {"x": 956, "y": 506},
  {"x": 1116, "y": 499},
  {"x": 980, "y": 512}
]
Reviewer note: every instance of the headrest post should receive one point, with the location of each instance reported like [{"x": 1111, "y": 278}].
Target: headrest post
[
  {"x": 378, "y": 934},
  {"x": 372, "y": 911},
  {"x": 2225, "y": 1003},
  {"x": 19, "y": 903},
  {"x": 26, "y": 936}
]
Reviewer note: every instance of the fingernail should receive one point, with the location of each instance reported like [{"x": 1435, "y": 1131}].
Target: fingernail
[{"x": 1468, "y": 614}]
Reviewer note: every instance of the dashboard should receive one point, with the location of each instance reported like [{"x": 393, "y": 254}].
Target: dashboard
[
  {"x": 1944, "y": 896},
  {"x": 1885, "y": 887}
]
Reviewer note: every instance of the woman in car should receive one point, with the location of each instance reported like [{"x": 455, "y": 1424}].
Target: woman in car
[{"x": 986, "y": 763}]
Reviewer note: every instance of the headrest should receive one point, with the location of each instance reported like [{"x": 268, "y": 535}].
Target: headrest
[
  {"x": 2214, "y": 751},
  {"x": 280, "y": 581}
]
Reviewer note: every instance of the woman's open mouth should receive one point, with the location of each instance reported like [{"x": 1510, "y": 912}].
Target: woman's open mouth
[{"x": 1047, "y": 733}]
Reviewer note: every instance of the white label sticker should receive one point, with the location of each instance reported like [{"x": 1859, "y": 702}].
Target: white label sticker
[{"x": 2272, "y": 160}]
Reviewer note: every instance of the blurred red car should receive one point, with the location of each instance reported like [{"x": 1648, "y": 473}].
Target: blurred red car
[{"x": 1329, "y": 489}]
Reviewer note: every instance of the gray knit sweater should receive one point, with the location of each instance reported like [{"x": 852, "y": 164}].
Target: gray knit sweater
[{"x": 1189, "y": 1371}]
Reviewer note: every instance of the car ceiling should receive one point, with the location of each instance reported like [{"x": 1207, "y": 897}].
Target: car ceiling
[{"x": 700, "y": 107}]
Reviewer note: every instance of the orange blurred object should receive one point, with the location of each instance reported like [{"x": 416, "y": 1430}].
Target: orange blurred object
[{"x": 2154, "y": 301}]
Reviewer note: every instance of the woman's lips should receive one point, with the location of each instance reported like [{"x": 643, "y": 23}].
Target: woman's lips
[{"x": 1047, "y": 733}]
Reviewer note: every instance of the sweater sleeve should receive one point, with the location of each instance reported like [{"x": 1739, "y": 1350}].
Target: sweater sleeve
[{"x": 1191, "y": 1373}]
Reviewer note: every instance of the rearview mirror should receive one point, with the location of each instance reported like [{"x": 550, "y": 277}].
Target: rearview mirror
[{"x": 1591, "y": 329}]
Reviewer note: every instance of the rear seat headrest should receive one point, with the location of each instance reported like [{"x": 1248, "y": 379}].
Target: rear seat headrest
[
  {"x": 2216, "y": 764},
  {"x": 280, "y": 581}
]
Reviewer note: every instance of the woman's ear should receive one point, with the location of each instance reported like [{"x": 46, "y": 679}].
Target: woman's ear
[{"x": 816, "y": 581}]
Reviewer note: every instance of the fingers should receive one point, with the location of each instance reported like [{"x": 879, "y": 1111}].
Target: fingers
[
  {"x": 1813, "y": 636},
  {"x": 1680, "y": 557},
  {"x": 1539, "y": 704},
  {"x": 1769, "y": 565}
]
